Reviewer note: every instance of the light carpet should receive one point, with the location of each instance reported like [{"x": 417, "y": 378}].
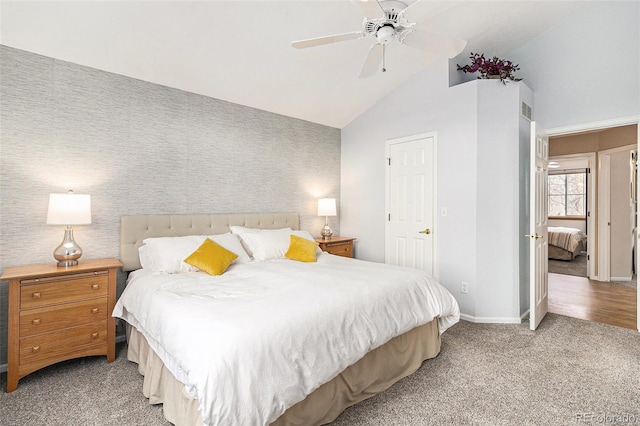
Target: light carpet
[{"x": 568, "y": 371}]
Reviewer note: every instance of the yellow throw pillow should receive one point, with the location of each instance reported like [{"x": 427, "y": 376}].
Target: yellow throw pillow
[
  {"x": 301, "y": 249},
  {"x": 211, "y": 258}
]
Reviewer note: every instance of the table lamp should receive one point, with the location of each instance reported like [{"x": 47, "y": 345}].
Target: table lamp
[
  {"x": 68, "y": 209},
  {"x": 326, "y": 208}
]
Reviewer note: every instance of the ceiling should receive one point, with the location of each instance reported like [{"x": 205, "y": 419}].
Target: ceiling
[{"x": 240, "y": 51}]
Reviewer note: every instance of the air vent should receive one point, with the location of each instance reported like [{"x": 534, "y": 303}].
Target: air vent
[{"x": 525, "y": 111}]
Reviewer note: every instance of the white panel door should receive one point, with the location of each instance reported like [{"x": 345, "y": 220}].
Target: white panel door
[
  {"x": 411, "y": 202},
  {"x": 538, "y": 265}
]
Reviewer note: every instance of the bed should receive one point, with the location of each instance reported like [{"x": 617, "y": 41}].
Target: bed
[
  {"x": 566, "y": 243},
  {"x": 271, "y": 340}
]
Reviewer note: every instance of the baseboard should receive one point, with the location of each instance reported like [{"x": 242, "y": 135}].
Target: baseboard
[
  {"x": 119, "y": 339},
  {"x": 620, "y": 278},
  {"x": 490, "y": 320}
]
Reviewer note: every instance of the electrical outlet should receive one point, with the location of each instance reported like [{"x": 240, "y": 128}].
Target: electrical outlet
[{"x": 464, "y": 288}]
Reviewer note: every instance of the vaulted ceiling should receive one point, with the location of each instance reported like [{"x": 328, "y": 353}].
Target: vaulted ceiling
[{"x": 240, "y": 51}]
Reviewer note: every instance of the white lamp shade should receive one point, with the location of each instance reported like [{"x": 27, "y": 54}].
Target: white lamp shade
[
  {"x": 327, "y": 207},
  {"x": 69, "y": 209}
]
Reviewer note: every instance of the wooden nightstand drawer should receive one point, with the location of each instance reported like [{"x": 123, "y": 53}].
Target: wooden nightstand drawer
[
  {"x": 340, "y": 246},
  {"x": 57, "y": 344},
  {"x": 43, "y": 320},
  {"x": 35, "y": 293},
  {"x": 341, "y": 249}
]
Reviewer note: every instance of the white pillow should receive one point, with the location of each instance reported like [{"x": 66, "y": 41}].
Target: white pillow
[
  {"x": 303, "y": 234},
  {"x": 239, "y": 230},
  {"x": 267, "y": 244},
  {"x": 166, "y": 254},
  {"x": 146, "y": 258},
  {"x": 232, "y": 243}
]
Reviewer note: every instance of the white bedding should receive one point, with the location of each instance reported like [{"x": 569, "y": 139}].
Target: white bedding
[{"x": 256, "y": 340}]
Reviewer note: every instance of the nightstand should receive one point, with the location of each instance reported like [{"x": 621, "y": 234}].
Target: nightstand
[
  {"x": 341, "y": 246},
  {"x": 58, "y": 313}
]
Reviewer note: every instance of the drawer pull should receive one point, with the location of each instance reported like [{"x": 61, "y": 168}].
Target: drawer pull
[
  {"x": 94, "y": 310},
  {"x": 95, "y": 286},
  {"x": 36, "y": 321},
  {"x": 94, "y": 335},
  {"x": 35, "y": 349},
  {"x": 36, "y": 295}
]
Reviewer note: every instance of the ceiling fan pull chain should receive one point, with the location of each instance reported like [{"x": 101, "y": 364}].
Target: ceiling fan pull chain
[{"x": 384, "y": 49}]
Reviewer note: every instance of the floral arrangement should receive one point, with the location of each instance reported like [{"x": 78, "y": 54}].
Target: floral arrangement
[{"x": 491, "y": 68}]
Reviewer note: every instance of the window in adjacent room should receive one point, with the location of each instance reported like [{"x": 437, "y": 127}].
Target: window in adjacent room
[{"x": 568, "y": 194}]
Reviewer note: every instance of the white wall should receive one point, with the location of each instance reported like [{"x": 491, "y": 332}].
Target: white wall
[
  {"x": 500, "y": 239},
  {"x": 587, "y": 68}
]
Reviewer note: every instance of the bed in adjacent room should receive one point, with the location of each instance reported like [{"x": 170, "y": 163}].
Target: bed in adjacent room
[
  {"x": 277, "y": 337},
  {"x": 566, "y": 243}
]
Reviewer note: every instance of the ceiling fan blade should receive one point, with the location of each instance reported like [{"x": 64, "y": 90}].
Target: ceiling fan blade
[
  {"x": 373, "y": 61},
  {"x": 369, "y": 8},
  {"x": 438, "y": 45},
  {"x": 302, "y": 44}
]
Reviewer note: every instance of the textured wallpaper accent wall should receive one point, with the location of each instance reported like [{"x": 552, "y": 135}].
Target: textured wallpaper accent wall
[{"x": 141, "y": 148}]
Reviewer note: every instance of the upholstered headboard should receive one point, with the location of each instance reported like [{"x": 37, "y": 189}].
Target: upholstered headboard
[{"x": 134, "y": 229}]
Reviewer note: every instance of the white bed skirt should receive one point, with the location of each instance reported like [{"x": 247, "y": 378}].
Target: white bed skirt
[{"x": 375, "y": 372}]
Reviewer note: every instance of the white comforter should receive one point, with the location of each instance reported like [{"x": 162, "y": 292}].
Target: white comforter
[{"x": 253, "y": 342}]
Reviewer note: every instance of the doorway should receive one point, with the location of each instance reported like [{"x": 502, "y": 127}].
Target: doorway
[
  {"x": 572, "y": 195},
  {"x": 609, "y": 291}
]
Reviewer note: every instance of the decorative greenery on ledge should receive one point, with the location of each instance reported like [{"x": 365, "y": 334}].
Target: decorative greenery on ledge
[{"x": 491, "y": 68}]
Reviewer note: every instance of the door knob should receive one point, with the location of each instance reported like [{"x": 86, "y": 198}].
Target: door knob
[
  {"x": 425, "y": 231},
  {"x": 536, "y": 236}
]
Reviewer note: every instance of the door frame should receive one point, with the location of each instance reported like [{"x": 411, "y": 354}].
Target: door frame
[
  {"x": 605, "y": 124},
  {"x": 387, "y": 204}
]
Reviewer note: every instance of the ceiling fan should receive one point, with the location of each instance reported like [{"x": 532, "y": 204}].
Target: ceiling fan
[{"x": 386, "y": 21}]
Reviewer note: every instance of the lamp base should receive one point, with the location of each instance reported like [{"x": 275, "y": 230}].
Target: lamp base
[
  {"x": 326, "y": 233},
  {"x": 68, "y": 252}
]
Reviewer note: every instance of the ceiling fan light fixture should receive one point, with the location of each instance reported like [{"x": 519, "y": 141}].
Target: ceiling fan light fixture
[{"x": 385, "y": 34}]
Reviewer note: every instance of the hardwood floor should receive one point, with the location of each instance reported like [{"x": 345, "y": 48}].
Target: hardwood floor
[{"x": 579, "y": 297}]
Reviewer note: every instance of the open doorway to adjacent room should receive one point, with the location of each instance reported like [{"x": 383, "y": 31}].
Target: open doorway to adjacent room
[{"x": 592, "y": 219}]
